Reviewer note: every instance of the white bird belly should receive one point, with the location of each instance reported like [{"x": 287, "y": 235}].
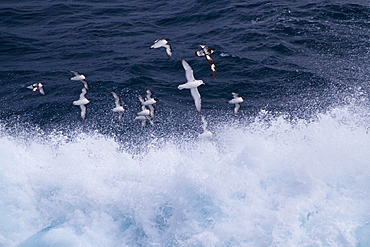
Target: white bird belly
[
  {"x": 81, "y": 102},
  {"x": 189, "y": 85},
  {"x": 118, "y": 109},
  {"x": 144, "y": 113},
  {"x": 236, "y": 101},
  {"x": 149, "y": 102},
  {"x": 78, "y": 78}
]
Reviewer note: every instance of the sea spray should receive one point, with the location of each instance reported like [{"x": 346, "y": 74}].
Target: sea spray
[{"x": 269, "y": 182}]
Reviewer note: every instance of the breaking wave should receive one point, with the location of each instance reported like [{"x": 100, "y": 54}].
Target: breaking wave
[{"x": 273, "y": 181}]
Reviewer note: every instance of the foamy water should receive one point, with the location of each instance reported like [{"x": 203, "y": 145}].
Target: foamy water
[{"x": 271, "y": 182}]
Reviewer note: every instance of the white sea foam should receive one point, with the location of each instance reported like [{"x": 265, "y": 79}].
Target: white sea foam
[{"x": 273, "y": 182}]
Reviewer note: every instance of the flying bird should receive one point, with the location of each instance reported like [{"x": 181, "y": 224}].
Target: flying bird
[
  {"x": 82, "y": 102},
  {"x": 236, "y": 100},
  {"x": 163, "y": 43},
  {"x": 79, "y": 77},
  {"x": 144, "y": 115},
  {"x": 149, "y": 97},
  {"x": 144, "y": 111},
  {"x": 192, "y": 84},
  {"x": 37, "y": 86},
  {"x": 206, "y": 133},
  {"x": 119, "y": 108},
  {"x": 148, "y": 101},
  {"x": 206, "y": 52}
]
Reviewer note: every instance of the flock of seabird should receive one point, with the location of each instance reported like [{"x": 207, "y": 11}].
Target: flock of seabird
[
  {"x": 147, "y": 104},
  {"x": 147, "y": 108}
]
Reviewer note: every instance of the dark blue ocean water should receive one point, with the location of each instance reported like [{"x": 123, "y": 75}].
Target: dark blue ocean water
[{"x": 290, "y": 170}]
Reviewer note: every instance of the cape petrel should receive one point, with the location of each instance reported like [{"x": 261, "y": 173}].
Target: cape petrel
[
  {"x": 37, "y": 86},
  {"x": 206, "y": 52}
]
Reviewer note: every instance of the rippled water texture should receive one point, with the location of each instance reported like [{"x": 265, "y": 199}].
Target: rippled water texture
[{"x": 292, "y": 169}]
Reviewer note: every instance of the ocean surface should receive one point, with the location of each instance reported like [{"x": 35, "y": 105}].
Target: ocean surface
[{"x": 291, "y": 169}]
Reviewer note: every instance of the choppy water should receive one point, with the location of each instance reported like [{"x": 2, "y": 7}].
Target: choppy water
[{"x": 292, "y": 169}]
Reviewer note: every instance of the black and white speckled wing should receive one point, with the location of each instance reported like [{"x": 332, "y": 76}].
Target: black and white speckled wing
[
  {"x": 200, "y": 53},
  {"x": 212, "y": 63}
]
